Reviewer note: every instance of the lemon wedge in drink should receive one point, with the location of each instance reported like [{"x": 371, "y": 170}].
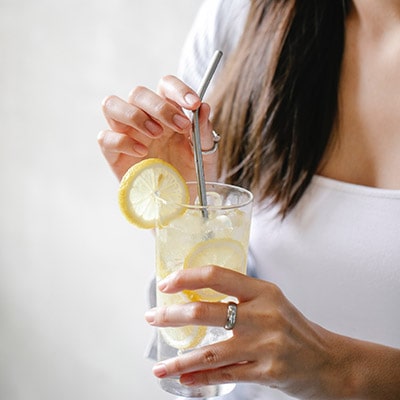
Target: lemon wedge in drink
[
  {"x": 182, "y": 337},
  {"x": 224, "y": 252},
  {"x": 149, "y": 193}
]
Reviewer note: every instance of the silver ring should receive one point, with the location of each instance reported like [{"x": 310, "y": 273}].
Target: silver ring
[
  {"x": 231, "y": 314},
  {"x": 216, "y": 139}
]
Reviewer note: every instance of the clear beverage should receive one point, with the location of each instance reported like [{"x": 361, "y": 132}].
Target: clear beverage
[{"x": 214, "y": 235}]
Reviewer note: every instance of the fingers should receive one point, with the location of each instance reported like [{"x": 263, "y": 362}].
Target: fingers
[
  {"x": 223, "y": 362},
  {"x": 220, "y": 279},
  {"x": 113, "y": 144},
  {"x": 242, "y": 371},
  {"x": 222, "y": 354},
  {"x": 122, "y": 117},
  {"x": 150, "y": 124},
  {"x": 145, "y": 112},
  {"x": 174, "y": 89},
  {"x": 161, "y": 110},
  {"x": 195, "y": 313}
]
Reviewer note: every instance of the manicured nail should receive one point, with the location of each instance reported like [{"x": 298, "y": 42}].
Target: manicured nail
[
  {"x": 153, "y": 128},
  {"x": 191, "y": 99},
  {"x": 140, "y": 149},
  {"x": 160, "y": 370},
  {"x": 180, "y": 122},
  {"x": 150, "y": 316}
]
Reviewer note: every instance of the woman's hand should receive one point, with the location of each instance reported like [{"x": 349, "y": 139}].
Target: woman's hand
[
  {"x": 153, "y": 124},
  {"x": 273, "y": 343}
]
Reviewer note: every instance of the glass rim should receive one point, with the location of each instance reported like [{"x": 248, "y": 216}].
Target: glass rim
[{"x": 244, "y": 203}]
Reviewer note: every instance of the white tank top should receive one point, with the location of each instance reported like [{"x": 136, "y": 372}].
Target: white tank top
[{"x": 337, "y": 258}]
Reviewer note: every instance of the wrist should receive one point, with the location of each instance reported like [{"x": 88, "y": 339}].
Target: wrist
[
  {"x": 361, "y": 370},
  {"x": 341, "y": 378}
]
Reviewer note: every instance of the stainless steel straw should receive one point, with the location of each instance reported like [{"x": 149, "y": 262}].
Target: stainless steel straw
[{"x": 198, "y": 157}]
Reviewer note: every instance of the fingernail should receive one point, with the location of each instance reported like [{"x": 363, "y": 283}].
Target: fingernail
[
  {"x": 153, "y": 128},
  {"x": 162, "y": 285},
  {"x": 187, "y": 380},
  {"x": 180, "y": 122},
  {"x": 191, "y": 99},
  {"x": 150, "y": 316},
  {"x": 160, "y": 370},
  {"x": 140, "y": 149}
]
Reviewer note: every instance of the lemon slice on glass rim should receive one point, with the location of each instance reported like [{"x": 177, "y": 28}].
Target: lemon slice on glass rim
[
  {"x": 223, "y": 252},
  {"x": 182, "y": 337},
  {"x": 150, "y": 193}
]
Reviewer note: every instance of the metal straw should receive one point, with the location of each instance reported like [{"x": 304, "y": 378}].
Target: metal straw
[{"x": 198, "y": 157}]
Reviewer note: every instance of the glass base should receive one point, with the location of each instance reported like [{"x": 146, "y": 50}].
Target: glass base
[{"x": 173, "y": 386}]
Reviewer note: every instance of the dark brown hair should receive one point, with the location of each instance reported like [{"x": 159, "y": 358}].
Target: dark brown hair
[{"x": 277, "y": 100}]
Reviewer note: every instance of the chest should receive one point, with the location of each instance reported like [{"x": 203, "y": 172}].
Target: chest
[{"x": 366, "y": 146}]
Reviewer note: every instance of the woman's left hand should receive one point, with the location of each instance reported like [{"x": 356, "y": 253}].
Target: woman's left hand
[{"x": 273, "y": 343}]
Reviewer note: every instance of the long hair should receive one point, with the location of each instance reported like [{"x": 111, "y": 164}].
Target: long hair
[{"x": 277, "y": 100}]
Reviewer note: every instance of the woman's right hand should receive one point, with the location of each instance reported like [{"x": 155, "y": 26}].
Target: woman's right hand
[{"x": 153, "y": 124}]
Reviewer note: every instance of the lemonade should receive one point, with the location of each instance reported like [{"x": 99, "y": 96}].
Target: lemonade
[
  {"x": 193, "y": 240},
  {"x": 153, "y": 194}
]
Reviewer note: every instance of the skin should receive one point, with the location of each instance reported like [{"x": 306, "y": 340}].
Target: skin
[
  {"x": 272, "y": 344},
  {"x": 367, "y": 140},
  {"x": 153, "y": 124},
  {"x": 273, "y": 341}
]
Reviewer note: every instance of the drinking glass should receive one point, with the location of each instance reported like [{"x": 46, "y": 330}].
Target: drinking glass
[{"x": 215, "y": 234}]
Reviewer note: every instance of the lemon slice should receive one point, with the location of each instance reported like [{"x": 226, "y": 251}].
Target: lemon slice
[
  {"x": 150, "y": 191},
  {"x": 183, "y": 337},
  {"x": 225, "y": 252}
]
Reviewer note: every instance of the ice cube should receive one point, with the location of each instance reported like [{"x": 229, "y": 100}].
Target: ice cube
[{"x": 213, "y": 199}]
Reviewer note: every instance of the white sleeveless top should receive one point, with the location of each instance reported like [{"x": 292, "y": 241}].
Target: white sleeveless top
[{"x": 336, "y": 256}]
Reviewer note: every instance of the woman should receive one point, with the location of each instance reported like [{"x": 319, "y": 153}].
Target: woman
[{"x": 307, "y": 106}]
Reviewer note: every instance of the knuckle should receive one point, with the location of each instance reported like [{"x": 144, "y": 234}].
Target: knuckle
[
  {"x": 276, "y": 323},
  {"x": 179, "y": 279},
  {"x": 135, "y": 93},
  {"x": 108, "y": 102},
  {"x": 278, "y": 344},
  {"x": 276, "y": 371},
  {"x": 100, "y": 138},
  {"x": 227, "y": 375},
  {"x": 164, "y": 80},
  {"x": 177, "y": 364},
  {"x": 162, "y": 108},
  {"x": 162, "y": 316},
  {"x": 132, "y": 114},
  {"x": 168, "y": 77},
  {"x": 210, "y": 357},
  {"x": 197, "y": 311},
  {"x": 275, "y": 292},
  {"x": 210, "y": 272}
]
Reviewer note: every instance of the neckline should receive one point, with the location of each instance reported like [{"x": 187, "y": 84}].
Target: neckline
[{"x": 353, "y": 188}]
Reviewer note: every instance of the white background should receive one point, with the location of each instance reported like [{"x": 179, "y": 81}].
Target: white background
[{"x": 73, "y": 272}]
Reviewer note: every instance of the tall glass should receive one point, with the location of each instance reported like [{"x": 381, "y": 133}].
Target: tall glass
[{"x": 217, "y": 234}]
